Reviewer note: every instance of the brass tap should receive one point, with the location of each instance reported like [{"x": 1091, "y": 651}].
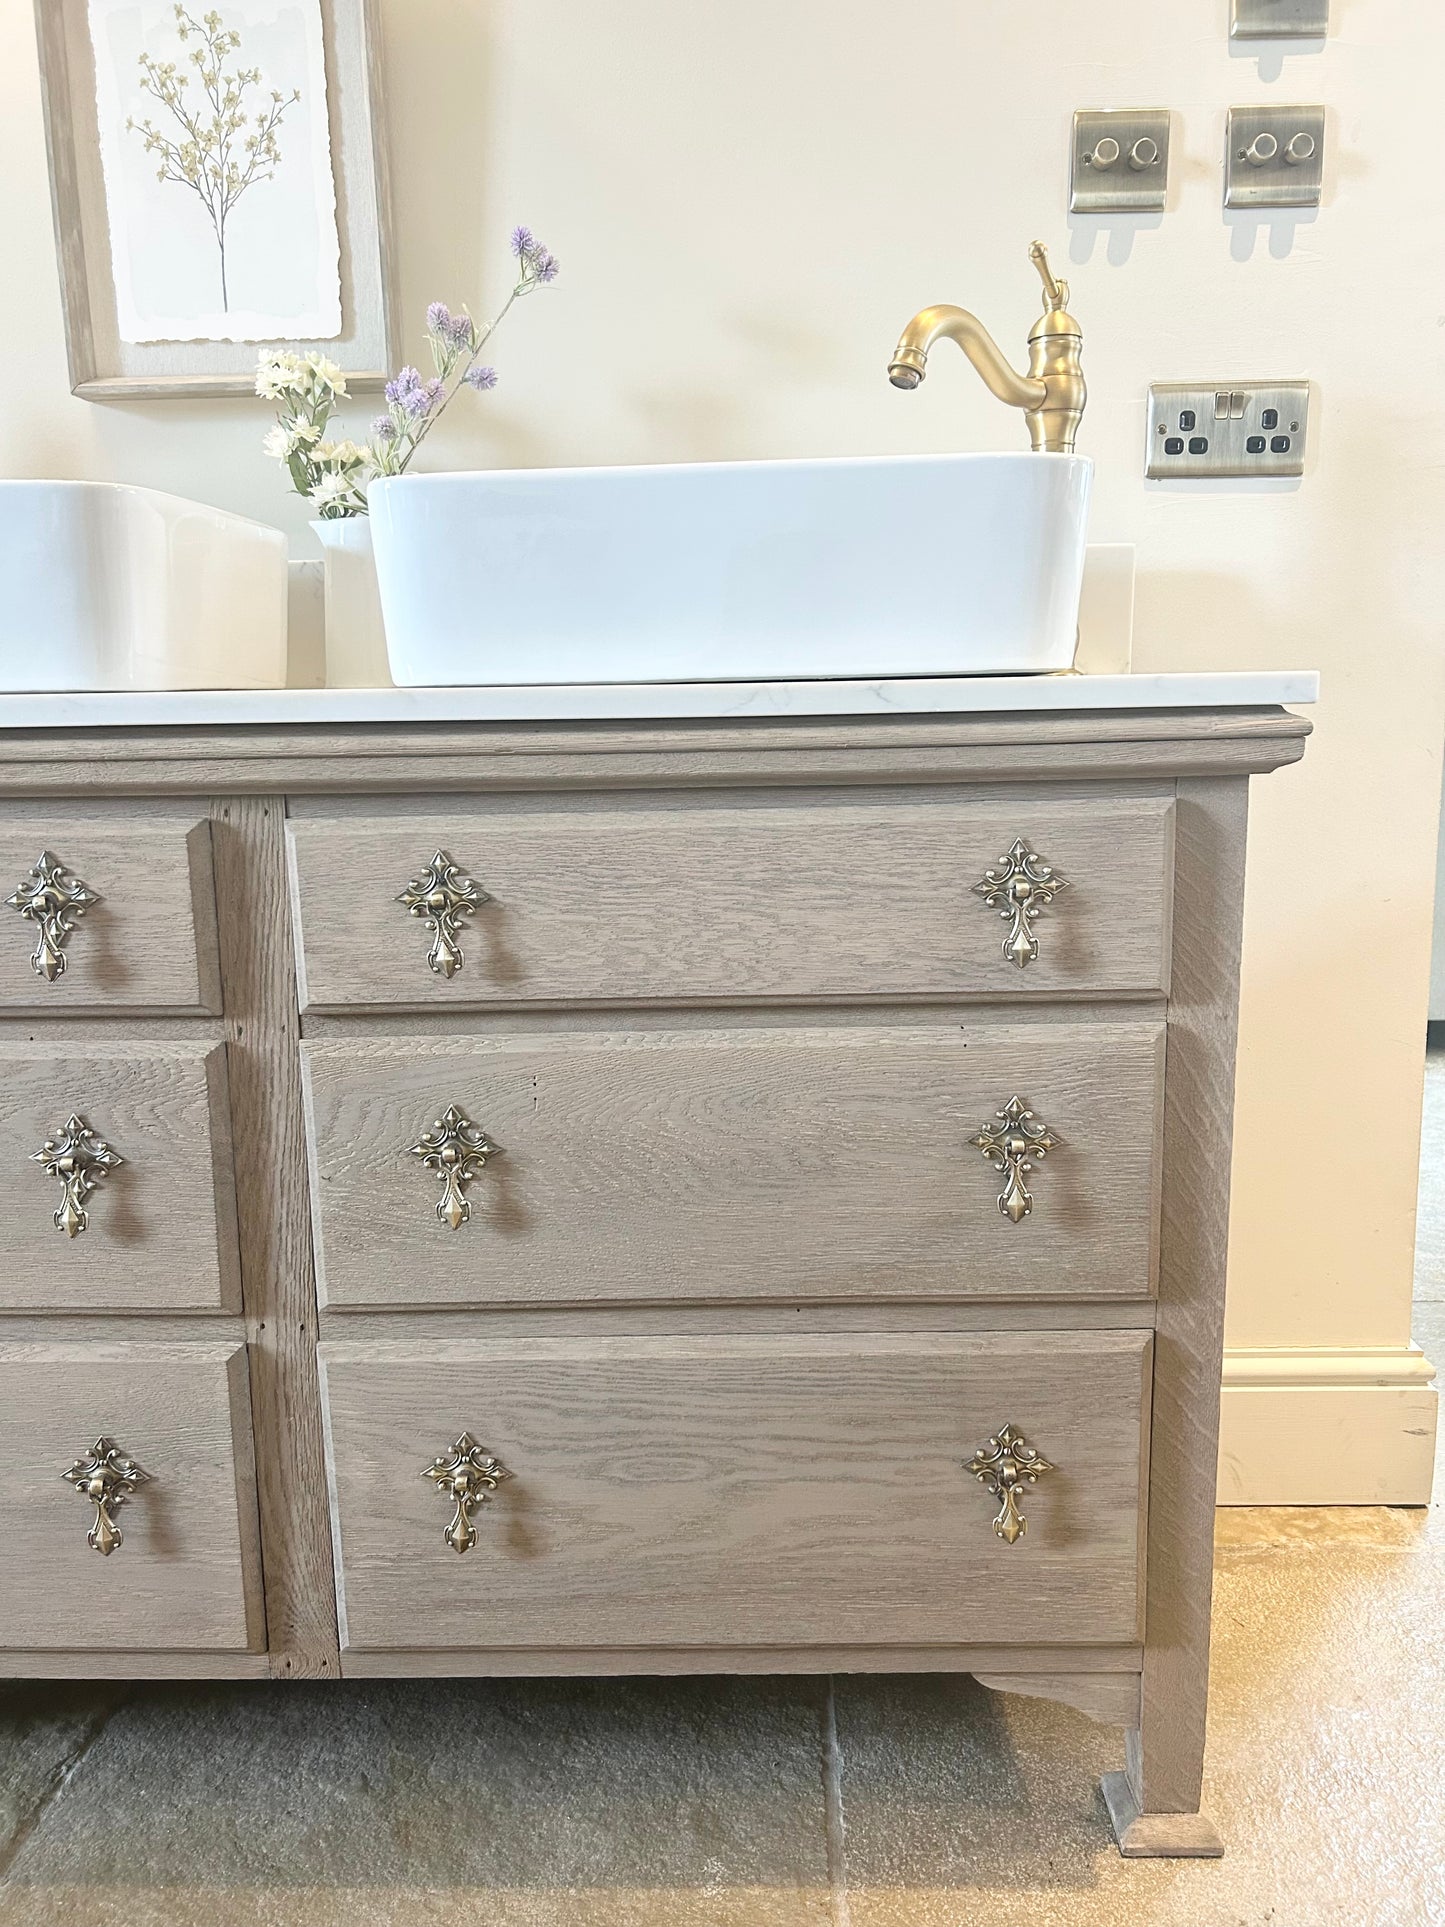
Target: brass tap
[{"x": 1052, "y": 393}]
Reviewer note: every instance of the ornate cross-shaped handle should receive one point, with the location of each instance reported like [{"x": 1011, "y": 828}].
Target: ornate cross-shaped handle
[
  {"x": 442, "y": 895},
  {"x": 52, "y": 899},
  {"x": 80, "y": 1160},
  {"x": 1013, "y": 1145},
  {"x": 107, "y": 1478},
  {"x": 456, "y": 1150},
  {"x": 1021, "y": 886},
  {"x": 468, "y": 1475},
  {"x": 1005, "y": 1465}
]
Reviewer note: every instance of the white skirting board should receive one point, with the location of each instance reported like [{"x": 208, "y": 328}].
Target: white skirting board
[{"x": 1308, "y": 1427}]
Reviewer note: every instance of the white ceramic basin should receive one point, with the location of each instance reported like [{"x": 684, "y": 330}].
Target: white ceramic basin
[
  {"x": 112, "y": 587},
  {"x": 899, "y": 565}
]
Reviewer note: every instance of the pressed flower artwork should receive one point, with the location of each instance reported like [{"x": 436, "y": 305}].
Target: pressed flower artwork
[{"x": 215, "y": 143}]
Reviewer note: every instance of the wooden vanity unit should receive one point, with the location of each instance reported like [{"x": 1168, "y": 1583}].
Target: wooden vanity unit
[{"x": 626, "y": 1197}]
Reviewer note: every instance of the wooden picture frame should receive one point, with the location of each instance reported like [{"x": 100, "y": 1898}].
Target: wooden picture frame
[{"x": 105, "y": 368}]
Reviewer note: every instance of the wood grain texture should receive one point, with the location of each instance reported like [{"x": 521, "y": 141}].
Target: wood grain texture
[
  {"x": 149, "y": 944},
  {"x": 1110, "y": 1698},
  {"x": 812, "y": 898},
  {"x": 806, "y": 1164},
  {"x": 598, "y": 1662},
  {"x": 1165, "y": 1752},
  {"x": 428, "y": 759},
  {"x": 152, "y": 1663},
  {"x": 763, "y": 1491},
  {"x": 275, "y": 1233},
  {"x": 162, "y": 1231},
  {"x": 187, "y": 1576},
  {"x": 1156, "y": 1836}
]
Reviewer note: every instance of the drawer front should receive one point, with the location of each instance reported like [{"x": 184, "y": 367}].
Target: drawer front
[
  {"x": 186, "y": 1575},
  {"x": 160, "y": 1224},
  {"x": 739, "y": 1490},
  {"x": 147, "y": 941},
  {"x": 741, "y": 1165},
  {"x": 746, "y": 902}
]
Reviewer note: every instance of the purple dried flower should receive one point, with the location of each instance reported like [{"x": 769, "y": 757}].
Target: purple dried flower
[
  {"x": 459, "y": 331},
  {"x": 384, "y": 428},
  {"x": 481, "y": 378},
  {"x": 544, "y": 265},
  {"x": 439, "y": 318},
  {"x": 523, "y": 242},
  {"x": 410, "y": 393},
  {"x": 400, "y": 386}
]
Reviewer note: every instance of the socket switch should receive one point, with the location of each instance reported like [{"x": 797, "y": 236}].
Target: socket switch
[
  {"x": 1234, "y": 428},
  {"x": 1274, "y": 157},
  {"x": 1120, "y": 161},
  {"x": 1279, "y": 19}
]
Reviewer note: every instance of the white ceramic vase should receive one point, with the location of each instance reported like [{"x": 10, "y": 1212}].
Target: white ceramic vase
[{"x": 355, "y": 632}]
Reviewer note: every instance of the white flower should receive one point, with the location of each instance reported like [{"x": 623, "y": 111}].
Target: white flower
[
  {"x": 278, "y": 376},
  {"x": 277, "y": 443},
  {"x": 305, "y": 434},
  {"x": 327, "y": 373},
  {"x": 347, "y": 454},
  {"x": 333, "y": 490}
]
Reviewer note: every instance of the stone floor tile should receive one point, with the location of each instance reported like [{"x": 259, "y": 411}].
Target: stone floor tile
[
  {"x": 45, "y": 1732},
  {"x": 695, "y": 1802},
  {"x": 1325, "y": 1771},
  {"x": 1271, "y": 1528}
]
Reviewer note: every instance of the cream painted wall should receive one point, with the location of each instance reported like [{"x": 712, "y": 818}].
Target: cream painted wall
[{"x": 749, "y": 198}]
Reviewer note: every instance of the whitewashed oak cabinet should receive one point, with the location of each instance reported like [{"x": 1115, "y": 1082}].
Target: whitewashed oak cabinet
[{"x": 626, "y": 1198}]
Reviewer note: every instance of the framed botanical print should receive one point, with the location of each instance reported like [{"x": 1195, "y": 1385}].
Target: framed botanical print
[{"x": 218, "y": 183}]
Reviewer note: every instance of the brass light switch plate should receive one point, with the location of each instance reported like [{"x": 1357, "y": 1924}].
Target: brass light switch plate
[
  {"x": 1279, "y": 19},
  {"x": 1120, "y": 161},
  {"x": 1274, "y": 157}
]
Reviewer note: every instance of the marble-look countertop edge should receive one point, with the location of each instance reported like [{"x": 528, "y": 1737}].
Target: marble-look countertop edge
[{"x": 649, "y": 702}]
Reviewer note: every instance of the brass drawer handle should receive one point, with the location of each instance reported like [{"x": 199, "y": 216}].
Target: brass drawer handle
[
  {"x": 468, "y": 1475},
  {"x": 442, "y": 895},
  {"x": 107, "y": 1478},
  {"x": 52, "y": 899},
  {"x": 1013, "y": 1146},
  {"x": 456, "y": 1150},
  {"x": 1005, "y": 1466},
  {"x": 80, "y": 1160},
  {"x": 1021, "y": 886}
]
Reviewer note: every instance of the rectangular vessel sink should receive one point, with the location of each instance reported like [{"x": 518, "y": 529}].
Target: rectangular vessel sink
[
  {"x": 113, "y": 587},
  {"x": 898, "y": 565}
]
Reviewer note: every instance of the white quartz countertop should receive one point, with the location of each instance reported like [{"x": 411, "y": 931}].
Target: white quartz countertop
[{"x": 642, "y": 702}]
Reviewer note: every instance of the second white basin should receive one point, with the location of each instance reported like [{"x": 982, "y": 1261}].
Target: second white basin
[
  {"x": 897, "y": 565},
  {"x": 113, "y": 587}
]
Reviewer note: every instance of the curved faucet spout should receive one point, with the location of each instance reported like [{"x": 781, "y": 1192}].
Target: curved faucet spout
[
  {"x": 910, "y": 358},
  {"x": 1052, "y": 394}
]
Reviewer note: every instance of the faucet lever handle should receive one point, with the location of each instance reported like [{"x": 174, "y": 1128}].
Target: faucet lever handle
[{"x": 1056, "y": 293}]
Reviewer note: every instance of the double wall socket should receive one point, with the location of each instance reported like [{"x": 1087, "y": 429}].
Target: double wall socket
[
  {"x": 1237, "y": 428},
  {"x": 1279, "y": 19}
]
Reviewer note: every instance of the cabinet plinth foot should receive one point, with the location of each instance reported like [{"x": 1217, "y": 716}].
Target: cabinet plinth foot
[{"x": 1159, "y": 1836}]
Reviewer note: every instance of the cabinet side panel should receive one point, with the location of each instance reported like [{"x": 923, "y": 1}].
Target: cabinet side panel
[{"x": 1166, "y": 1751}]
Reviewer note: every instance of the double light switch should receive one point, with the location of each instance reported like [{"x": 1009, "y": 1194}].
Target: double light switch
[
  {"x": 1274, "y": 157},
  {"x": 1279, "y": 19},
  {"x": 1120, "y": 161}
]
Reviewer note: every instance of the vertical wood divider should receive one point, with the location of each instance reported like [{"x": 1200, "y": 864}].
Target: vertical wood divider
[{"x": 262, "y": 1028}]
